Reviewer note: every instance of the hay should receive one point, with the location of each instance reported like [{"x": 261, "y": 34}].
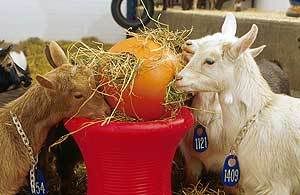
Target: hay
[
  {"x": 38, "y": 64},
  {"x": 34, "y": 51},
  {"x": 171, "y": 40},
  {"x": 110, "y": 69},
  {"x": 118, "y": 70},
  {"x": 201, "y": 189}
]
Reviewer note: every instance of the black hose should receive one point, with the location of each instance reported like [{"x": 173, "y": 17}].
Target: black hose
[{"x": 135, "y": 23}]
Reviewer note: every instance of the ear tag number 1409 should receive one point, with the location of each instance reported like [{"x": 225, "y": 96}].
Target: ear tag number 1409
[
  {"x": 200, "y": 141},
  {"x": 230, "y": 175}
]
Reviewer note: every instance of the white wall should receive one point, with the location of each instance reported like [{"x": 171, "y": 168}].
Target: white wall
[
  {"x": 58, "y": 19},
  {"x": 268, "y": 5},
  {"x": 72, "y": 19},
  {"x": 275, "y": 5}
]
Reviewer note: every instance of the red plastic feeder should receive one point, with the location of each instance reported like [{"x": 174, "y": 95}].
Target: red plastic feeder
[{"x": 125, "y": 158}]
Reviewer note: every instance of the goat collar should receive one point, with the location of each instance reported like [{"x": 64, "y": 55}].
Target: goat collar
[
  {"x": 244, "y": 130},
  {"x": 26, "y": 142}
]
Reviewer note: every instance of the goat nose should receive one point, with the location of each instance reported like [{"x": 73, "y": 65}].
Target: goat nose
[
  {"x": 107, "y": 111},
  {"x": 189, "y": 42},
  {"x": 178, "y": 77}
]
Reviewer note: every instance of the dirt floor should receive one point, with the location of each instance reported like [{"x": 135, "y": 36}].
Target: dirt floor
[{"x": 34, "y": 50}]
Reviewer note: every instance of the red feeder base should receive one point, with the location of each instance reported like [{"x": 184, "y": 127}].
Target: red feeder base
[{"x": 125, "y": 158}]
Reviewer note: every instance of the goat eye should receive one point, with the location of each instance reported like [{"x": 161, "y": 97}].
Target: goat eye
[
  {"x": 78, "y": 95},
  {"x": 209, "y": 61}
]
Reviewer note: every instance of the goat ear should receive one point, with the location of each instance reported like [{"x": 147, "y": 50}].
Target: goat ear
[
  {"x": 48, "y": 56},
  {"x": 44, "y": 82},
  {"x": 229, "y": 25},
  {"x": 244, "y": 42},
  {"x": 256, "y": 51},
  {"x": 4, "y": 52},
  {"x": 55, "y": 55}
]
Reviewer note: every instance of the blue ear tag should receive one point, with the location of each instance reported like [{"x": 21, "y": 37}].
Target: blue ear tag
[
  {"x": 200, "y": 141},
  {"x": 230, "y": 175},
  {"x": 40, "y": 183}
]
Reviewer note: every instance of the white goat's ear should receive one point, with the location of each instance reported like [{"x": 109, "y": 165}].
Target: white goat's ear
[
  {"x": 55, "y": 55},
  {"x": 45, "y": 82},
  {"x": 244, "y": 42},
  {"x": 256, "y": 51},
  {"x": 229, "y": 25}
]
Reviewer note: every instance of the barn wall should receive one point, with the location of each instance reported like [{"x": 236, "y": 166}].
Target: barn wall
[{"x": 58, "y": 19}]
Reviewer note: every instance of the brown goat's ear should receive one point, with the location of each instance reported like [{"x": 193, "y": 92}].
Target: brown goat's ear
[
  {"x": 44, "y": 82},
  {"x": 55, "y": 55},
  {"x": 48, "y": 56}
]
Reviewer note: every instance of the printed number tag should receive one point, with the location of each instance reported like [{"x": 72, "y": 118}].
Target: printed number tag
[
  {"x": 40, "y": 183},
  {"x": 230, "y": 175},
  {"x": 200, "y": 141}
]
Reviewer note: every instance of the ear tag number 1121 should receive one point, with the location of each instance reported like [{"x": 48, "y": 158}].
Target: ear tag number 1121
[{"x": 200, "y": 141}]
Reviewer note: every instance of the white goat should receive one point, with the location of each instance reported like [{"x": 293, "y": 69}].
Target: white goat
[
  {"x": 208, "y": 113},
  {"x": 269, "y": 154}
]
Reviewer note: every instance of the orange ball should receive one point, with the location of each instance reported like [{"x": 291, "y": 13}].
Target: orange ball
[{"x": 146, "y": 98}]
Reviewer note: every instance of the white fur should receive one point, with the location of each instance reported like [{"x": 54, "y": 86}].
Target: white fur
[
  {"x": 269, "y": 154},
  {"x": 19, "y": 58}
]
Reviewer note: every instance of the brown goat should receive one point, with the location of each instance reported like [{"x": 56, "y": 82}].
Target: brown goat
[{"x": 57, "y": 95}]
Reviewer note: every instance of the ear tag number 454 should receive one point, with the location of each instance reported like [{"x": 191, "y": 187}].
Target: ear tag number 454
[{"x": 40, "y": 183}]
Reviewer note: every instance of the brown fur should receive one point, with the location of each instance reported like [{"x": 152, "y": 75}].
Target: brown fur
[{"x": 39, "y": 109}]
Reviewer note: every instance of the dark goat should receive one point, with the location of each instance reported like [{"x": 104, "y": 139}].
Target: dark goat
[
  {"x": 12, "y": 76},
  {"x": 275, "y": 76},
  {"x": 67, "y": 155}
]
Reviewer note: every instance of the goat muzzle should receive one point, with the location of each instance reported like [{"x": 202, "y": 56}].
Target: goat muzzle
[{"x": 178, "y": 77}]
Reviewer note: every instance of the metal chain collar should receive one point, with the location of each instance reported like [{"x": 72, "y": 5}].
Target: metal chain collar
[
  {"x": 26, "y": 142},
  {"x": 244, "y": 130},
  {"x": 242, "y": 133}
]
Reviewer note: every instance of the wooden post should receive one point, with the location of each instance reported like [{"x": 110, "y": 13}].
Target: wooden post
[{"x": 252, "y": 3}]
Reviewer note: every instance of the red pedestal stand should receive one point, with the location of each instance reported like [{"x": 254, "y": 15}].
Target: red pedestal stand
[{"x": 125, "y": 158}]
